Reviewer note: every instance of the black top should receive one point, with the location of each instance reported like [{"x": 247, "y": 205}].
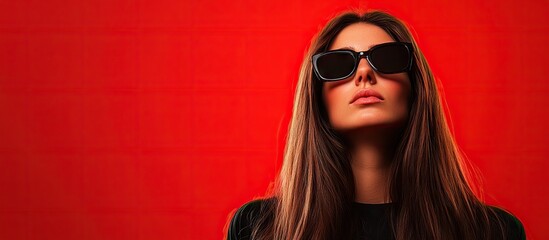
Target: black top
[{"x": 373, "y": 215}]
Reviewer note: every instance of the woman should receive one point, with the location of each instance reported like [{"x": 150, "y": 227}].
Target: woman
[{"x": 369, "y": 154}]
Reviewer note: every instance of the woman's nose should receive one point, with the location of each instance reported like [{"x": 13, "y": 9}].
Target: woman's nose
[{"x": 364, "y": 72}]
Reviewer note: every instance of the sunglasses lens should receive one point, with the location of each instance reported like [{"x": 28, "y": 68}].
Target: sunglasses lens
[
  {"x": 390, "y": 58},
  {"x": 335, "y": 65}
]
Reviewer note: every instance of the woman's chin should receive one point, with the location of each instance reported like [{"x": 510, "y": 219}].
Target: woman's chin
[{"x": 370, "y": 126}]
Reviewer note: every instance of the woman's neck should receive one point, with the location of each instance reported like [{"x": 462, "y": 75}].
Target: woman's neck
[{"x": 371, "y": 159}]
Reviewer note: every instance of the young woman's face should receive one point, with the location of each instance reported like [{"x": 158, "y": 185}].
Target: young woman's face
[{"x": 395, "y": 89}]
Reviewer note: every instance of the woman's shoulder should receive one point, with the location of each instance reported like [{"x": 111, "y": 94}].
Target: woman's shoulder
[
  {"x": 246, "y": 217},
  {"x": 513, "y": 226}
]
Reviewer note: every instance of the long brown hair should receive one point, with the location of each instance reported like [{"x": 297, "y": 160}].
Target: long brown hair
[{"x": 428, "y": 184}]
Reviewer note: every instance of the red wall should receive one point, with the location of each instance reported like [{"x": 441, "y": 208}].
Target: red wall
[{"x": 156, "y": 119}]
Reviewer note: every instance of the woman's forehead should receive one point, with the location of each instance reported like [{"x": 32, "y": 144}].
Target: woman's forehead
[{"x": 360, "y": 37}]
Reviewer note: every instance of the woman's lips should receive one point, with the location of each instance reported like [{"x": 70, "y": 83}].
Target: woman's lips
[
  {"x": 366, "y": 96},
  {"x": 367, "y": 100}
]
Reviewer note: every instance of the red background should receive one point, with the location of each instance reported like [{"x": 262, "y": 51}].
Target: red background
[{"x": 156, "y": 119}]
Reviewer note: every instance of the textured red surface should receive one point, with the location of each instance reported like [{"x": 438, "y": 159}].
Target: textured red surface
[{"x": 156, "y": 119}]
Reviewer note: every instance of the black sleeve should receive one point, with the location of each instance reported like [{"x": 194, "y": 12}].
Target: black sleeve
[
  {"x": 515, "y": 229},
  {"x": 240, "y": 227}
]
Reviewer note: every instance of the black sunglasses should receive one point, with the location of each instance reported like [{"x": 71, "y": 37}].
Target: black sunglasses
[{"x": 387, "y": 58}]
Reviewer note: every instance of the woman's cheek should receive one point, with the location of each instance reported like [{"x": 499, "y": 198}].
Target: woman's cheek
[
  {"x": 333, "y": 102},
  {"x": 401, "y": 94}
]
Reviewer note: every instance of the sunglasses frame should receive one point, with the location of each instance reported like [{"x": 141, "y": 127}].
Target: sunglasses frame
[{"x": 364, "y": 54}]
